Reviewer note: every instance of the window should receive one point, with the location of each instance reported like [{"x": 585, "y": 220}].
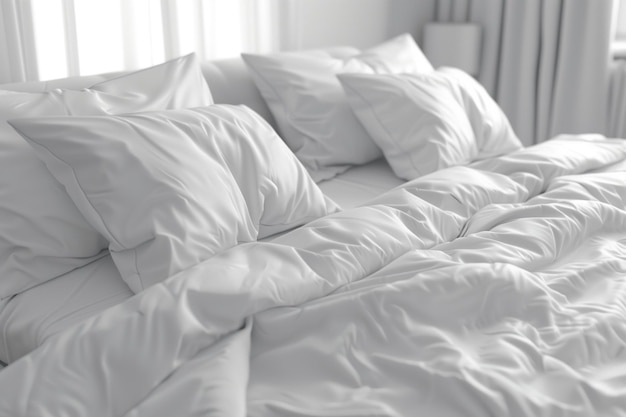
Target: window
[
  {"x": 619, "y": 43},
  {"x": 79, "y": 37},
  {"x": 621, "y": 20}
]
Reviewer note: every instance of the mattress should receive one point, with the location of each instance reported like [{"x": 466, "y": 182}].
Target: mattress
[{"x": 31, "y": 317}]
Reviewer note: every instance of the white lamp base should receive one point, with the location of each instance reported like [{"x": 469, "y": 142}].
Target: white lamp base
[{"x": 453, "y": 45}]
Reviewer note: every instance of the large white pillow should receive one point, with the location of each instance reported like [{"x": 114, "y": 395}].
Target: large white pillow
[
  {"x": 429, "y": 121},
  {"x": 311, "y": 109},
  {"x": 42, "y": 234},
  {"x": 170, "y": 189}
]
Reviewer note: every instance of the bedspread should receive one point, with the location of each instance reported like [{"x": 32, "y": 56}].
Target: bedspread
[{"x": 491, "y": 289}]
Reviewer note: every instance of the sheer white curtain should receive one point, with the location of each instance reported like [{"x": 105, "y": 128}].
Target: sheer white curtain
[
  {"x": 46, "y": 39},
  {"x": 546, "y": 62}
]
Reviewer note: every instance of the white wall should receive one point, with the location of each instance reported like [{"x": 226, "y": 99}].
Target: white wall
[{"x": 360, "y": 23}]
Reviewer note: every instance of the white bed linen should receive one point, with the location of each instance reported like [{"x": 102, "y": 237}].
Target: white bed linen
[
  {"x": 168, "y": 189},
  {"x": 33, "y": 316},
  {"x": 493, "y": 290},
  {"x": 360, "y": 184}
]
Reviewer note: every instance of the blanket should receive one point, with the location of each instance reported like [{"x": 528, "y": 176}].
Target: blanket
[{"x": 497, "y": 288}]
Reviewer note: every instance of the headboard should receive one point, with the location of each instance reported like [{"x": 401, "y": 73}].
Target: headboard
[{"x": 229, "y": 80}]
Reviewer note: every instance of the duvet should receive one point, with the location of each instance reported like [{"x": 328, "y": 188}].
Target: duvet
[{"x": 497, "y": 288}]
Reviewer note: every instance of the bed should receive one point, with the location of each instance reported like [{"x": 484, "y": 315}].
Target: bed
[{"x": 320, "y": 233}]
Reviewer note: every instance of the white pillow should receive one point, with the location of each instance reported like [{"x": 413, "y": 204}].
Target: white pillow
[
  {"x": 426, "y": 122},
  {"x": 493, "y": 131},
  {"x": 42, "y": 234},
  {"x": 164, "y": 187},
  {"x": 311, "y": 109}
]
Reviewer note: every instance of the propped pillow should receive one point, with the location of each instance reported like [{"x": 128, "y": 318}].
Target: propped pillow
[
  {"x": 170, "y": 189},
  {"x": 42, "y": 234},
  {"x": 494, "y": 133},
  {"x": 429, "y": 121},
  {"x": 311, "y": 109}
]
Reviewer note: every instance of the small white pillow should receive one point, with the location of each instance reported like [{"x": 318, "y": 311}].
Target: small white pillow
[
  {"x": 42, "y": 234},
  {"x": 170, "y": 189},
  {"x": 415, "y": 119},
  {"x": 429, "y": 121},
  {"x": 311, "y": 109}
]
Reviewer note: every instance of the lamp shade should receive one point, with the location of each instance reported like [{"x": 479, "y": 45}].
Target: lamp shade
[{"x": 453, "y": 45}]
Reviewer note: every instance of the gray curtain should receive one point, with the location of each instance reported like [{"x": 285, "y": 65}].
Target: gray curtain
[
  {"x": 546, "y": 62},
  {"x": 617, "y": 100}
]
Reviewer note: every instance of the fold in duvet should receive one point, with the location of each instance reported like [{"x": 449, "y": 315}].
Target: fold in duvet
[{"x": 497, "y": 288}]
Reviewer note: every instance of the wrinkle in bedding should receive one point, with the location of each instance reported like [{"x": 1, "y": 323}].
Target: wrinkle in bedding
[
  {"x": 35, "y": 315},
  {"x": 511, "y": 304}
]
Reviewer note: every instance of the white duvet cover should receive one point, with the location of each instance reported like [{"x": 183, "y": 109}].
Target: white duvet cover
[
  {"x": 32, "y": 316},
  {"x": 496, "y": 289}
]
